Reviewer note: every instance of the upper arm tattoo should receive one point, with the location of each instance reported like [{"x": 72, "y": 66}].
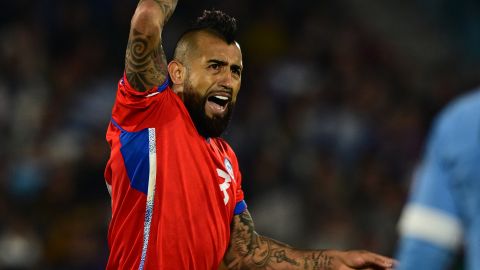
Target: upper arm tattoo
[
  {"x": 248, "y": 250},
  {"x": 145, "y": 66},
  {"x": 145, "y": 60},
  {"x": 243, "y": 238}
]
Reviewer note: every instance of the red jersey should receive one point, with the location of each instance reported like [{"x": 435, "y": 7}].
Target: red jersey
[{"x": 174, "y": 193}]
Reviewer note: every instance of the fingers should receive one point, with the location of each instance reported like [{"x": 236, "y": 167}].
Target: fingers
[
  {"x": 364, "y": 259},
  {"x": 383, "y": 261},
  {"x": 377, "y": 268},
  {"x": 366, "y": 268}
]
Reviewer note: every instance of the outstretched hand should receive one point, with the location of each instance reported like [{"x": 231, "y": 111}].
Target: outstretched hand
[{"x": 361, "y": 259}]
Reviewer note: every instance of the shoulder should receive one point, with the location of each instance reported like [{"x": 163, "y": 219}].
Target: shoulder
[
  {"x": 464, "y": 109},
  {"x": 462, "y": 113},
  {"x": 458, "y": 125},
  {"x": 126, "y": 88},
  {"x": 134, "y": 110}
]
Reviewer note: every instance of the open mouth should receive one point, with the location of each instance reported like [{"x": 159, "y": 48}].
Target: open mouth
[{"x": 218, "y": 102}]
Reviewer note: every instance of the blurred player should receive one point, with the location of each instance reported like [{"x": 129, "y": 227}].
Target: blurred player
[
  {"x": 443, "y": 211},
  {"x": 175, "y": 185}
]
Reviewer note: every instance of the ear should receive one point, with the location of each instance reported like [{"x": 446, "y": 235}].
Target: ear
[{"x": 176, "y": 70}]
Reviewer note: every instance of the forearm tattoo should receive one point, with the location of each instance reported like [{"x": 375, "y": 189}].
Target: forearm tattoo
[
  {"x": 318, "y": 261},
  {"x": 248, "y": 250},
  {"x": 167, "y": 6}
]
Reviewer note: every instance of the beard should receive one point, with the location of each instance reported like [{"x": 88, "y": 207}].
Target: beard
[{"x": 208, "y": 127}]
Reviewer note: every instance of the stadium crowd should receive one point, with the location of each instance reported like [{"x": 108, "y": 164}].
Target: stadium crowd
[{"x": 328, "y": 128}]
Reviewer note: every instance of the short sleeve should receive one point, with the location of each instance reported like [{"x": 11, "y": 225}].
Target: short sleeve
[
  {"x": 128, "y": 97},
  {"x": 129, "y": 92},
  {"x": 432, "y": 180},
  {"x": 132, "y": 107},
  {"x": 240, "y": 204},
  {"x": 430, "y": 224}
]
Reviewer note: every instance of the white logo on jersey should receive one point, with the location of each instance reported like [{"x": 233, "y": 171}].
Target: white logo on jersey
[
  {"x": 229, "y": 168},
  {"x": 228, "y": 177},
  {"x": 225, "y": 185}
]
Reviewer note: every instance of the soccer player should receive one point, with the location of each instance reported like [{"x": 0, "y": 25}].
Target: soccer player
[
  {"x": 175, "y": 185},
  {"x": 443, "y": 212}
]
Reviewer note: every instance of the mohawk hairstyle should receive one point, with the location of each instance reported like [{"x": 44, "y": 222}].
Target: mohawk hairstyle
[
  {"x": 217, "y": 22},
  {"x": 213, "y": 21}
]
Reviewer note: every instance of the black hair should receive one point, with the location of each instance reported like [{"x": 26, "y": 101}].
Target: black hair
[{"x": 218, "y": 22}]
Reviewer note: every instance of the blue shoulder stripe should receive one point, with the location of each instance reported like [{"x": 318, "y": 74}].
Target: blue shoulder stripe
[
  {"x": 117, "y": 125},
  {"x": 164, "y": 85},
  {"x": 240, "y": 207}
]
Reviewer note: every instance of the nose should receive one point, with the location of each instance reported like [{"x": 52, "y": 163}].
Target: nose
[{"x": 226, "y": 80}]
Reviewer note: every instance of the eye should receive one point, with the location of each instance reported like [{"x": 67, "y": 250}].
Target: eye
[
  {"x": 214, "y": 66},
  {"x": 236, "y": 71}
]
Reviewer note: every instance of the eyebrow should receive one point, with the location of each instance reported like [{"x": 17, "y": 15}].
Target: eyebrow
[{"x": 223, "y": 63}]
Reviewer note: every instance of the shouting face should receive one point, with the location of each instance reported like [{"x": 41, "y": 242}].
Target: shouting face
[{"x": 210, "y": 77}]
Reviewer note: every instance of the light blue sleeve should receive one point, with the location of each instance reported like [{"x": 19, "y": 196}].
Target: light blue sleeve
[
  {"x": 430, "y": 226},
  {"x": 414, "y": 253}
]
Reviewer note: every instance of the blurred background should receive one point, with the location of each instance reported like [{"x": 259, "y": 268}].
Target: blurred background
[{"x": 336, "y": 101}]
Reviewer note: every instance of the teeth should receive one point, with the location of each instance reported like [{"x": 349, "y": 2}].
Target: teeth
[{"x": 222, "y": 97}]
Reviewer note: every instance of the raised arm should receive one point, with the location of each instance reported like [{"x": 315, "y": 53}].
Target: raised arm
[
  {"x": 145, "y": 61},
  {"x": 248, "y": 250}
]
